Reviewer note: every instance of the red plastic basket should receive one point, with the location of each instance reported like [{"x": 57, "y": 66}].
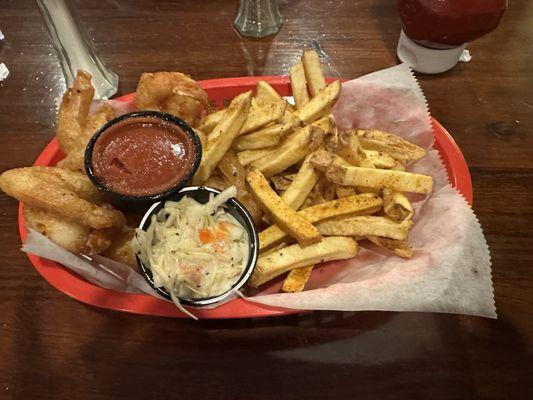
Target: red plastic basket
[{"x": 219, "y": 90}]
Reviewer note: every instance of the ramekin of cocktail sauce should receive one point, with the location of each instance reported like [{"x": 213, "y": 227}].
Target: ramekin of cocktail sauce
[{"x": 143, "y": 156}]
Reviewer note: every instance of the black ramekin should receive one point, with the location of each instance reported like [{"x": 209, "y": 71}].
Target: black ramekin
[
  {"x": 233, "y": 207},
  {"x": 169, "y": 118}
]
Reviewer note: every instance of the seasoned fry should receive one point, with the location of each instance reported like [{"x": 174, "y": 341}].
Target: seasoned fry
[
  {"x": 349, "y": 149},
  {"x": 296, "y": 279},
  {"x": 344, "y": 191},
  {"x": 393, "y": 145},
  {"x": 294, "y": 148},
  {"x": 365, "y": 225},
  {"x": 267, "y": 106},
  {"x": 247, "y": 157},
  {"x": 202, "y": 136},
  {"x": 321, "y": 104},
  {"x": 282, "y": 182},
  {"x": 234, "y": 173},
  {"x": 396, "y": 205},
  {"x": 301, "y": 185},
  {"x": 66, "y": 233},
  {"x": 266, "y": 137},
  {"x": 347, "y": 206},
  {"x": 288, "y": 219},
  {"x": 322, "y": 160},
  {"x": 313, "y": 72},
  {"x": 399, "y": 166},
  {"x": 380, "y": 178},
  {"x": 217, "y": 182},
  {"x": 295, "y": 256},
  {"x": 225, "y": 132},
  {"x": 399, "y": 247},
  {"x": 208, "y": 123},
  {"x": 299, "y": 85},
  {"x": 380, "y": 159},
  {"x": 323, "y": 191},
  {"x": 26, "y": 185}
]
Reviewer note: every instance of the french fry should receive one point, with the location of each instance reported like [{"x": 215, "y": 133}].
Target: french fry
[
  {"x": 267, "y": 106},
  {"x": 277, "y": 247},
  {"x": 282, "y": 182},
  {"x": 293, "y": 149},
  {"x": 365, "y": 225},
  {"x": 322, "y": 160},
  {"x": 399, "y": 247},
  {"x": 380, "y": 159},
  {"x": 299, "y": 85},
  {"x": 323, "y": 191},
  {"x": 313, "y": 72},
  {"x": 226, "y": 130},
  {"x": 396, "y": 205},
  {"x": 266, "y": 137},
  {"x": 296, "y": 279},
  {"x": 249, "y": 156},
  {"x": 272, "y": 265},
  {"x": 290, "y": 108},
  {"x": 380, "y": 178},
  {"x": 393, "y": 145},
  {"x": 301, "y": 185},
  {"x": 399, "y": 166},
  {"x": 344, "y": 191},
  {"x": 349, "y": 149},
  {"x": 321, "y": 104},
  {"x": 235, "y": 173},
  {"x": 202, "y": 136},
  {"x": 289, "y": 220},
  {"x": 217, "y": 182},
  {"x": 347, "y": 206},
  {"x": 208, "y": 123}
]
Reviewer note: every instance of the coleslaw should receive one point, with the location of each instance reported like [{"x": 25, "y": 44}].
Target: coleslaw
[{"x": 194, "y": 250}]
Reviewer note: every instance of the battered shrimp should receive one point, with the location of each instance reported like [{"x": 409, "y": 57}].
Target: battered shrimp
[
  {"x": 174, "y": 93},
  {"x": 40, "y": 187}
]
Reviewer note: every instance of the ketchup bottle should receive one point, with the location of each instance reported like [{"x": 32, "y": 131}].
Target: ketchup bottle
[{"x": 435, "y": 32}]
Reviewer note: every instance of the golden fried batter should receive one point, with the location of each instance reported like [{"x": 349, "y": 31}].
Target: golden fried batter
[
  {"x": 120, "y": 249},
  {"x": 73, "y": 113},
  {"x": 64, "y": 232},
  {"x": 172, "y": 92},
  {"x": 27, "y": 186},
  {"x": 74, "y": 159}
]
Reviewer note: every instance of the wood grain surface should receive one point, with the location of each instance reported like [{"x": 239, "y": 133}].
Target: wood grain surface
[{"x": 52, "y": 347}]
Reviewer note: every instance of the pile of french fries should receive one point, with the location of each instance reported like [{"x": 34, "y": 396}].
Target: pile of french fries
[{"x": 317, "y": 190}]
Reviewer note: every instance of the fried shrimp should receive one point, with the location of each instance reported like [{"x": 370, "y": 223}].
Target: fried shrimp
[
  {"x": 172, "y": 92},
  {"x": 59, "y": 197},
  {"x": 66, "y": 233},
  {"x": 73, "y": 113},
  {"x": 74, "y": 157}
]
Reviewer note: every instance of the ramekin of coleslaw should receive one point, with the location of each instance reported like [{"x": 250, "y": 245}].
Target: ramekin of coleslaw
[{"x": 198, "y": 247}]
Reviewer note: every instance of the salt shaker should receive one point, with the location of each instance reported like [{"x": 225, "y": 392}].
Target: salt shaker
[
  {"x": 258, "y": 18},
  {"x": 74, "y": 50}
]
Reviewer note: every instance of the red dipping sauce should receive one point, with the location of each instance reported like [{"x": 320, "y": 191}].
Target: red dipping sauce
[{"x": 142, "y": 156}]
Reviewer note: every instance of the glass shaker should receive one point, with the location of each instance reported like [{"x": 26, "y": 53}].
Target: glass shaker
[{"x": 258, "y": 18}]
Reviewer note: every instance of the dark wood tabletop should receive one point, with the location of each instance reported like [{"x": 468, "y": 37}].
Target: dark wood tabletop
[{"x": 53, "y": 347}]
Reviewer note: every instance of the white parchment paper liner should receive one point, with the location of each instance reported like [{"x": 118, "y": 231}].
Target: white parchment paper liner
[{"x": 451, "y": 269}]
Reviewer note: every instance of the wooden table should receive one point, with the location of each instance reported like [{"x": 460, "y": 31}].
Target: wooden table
[{"x": 53, "y": 347}]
